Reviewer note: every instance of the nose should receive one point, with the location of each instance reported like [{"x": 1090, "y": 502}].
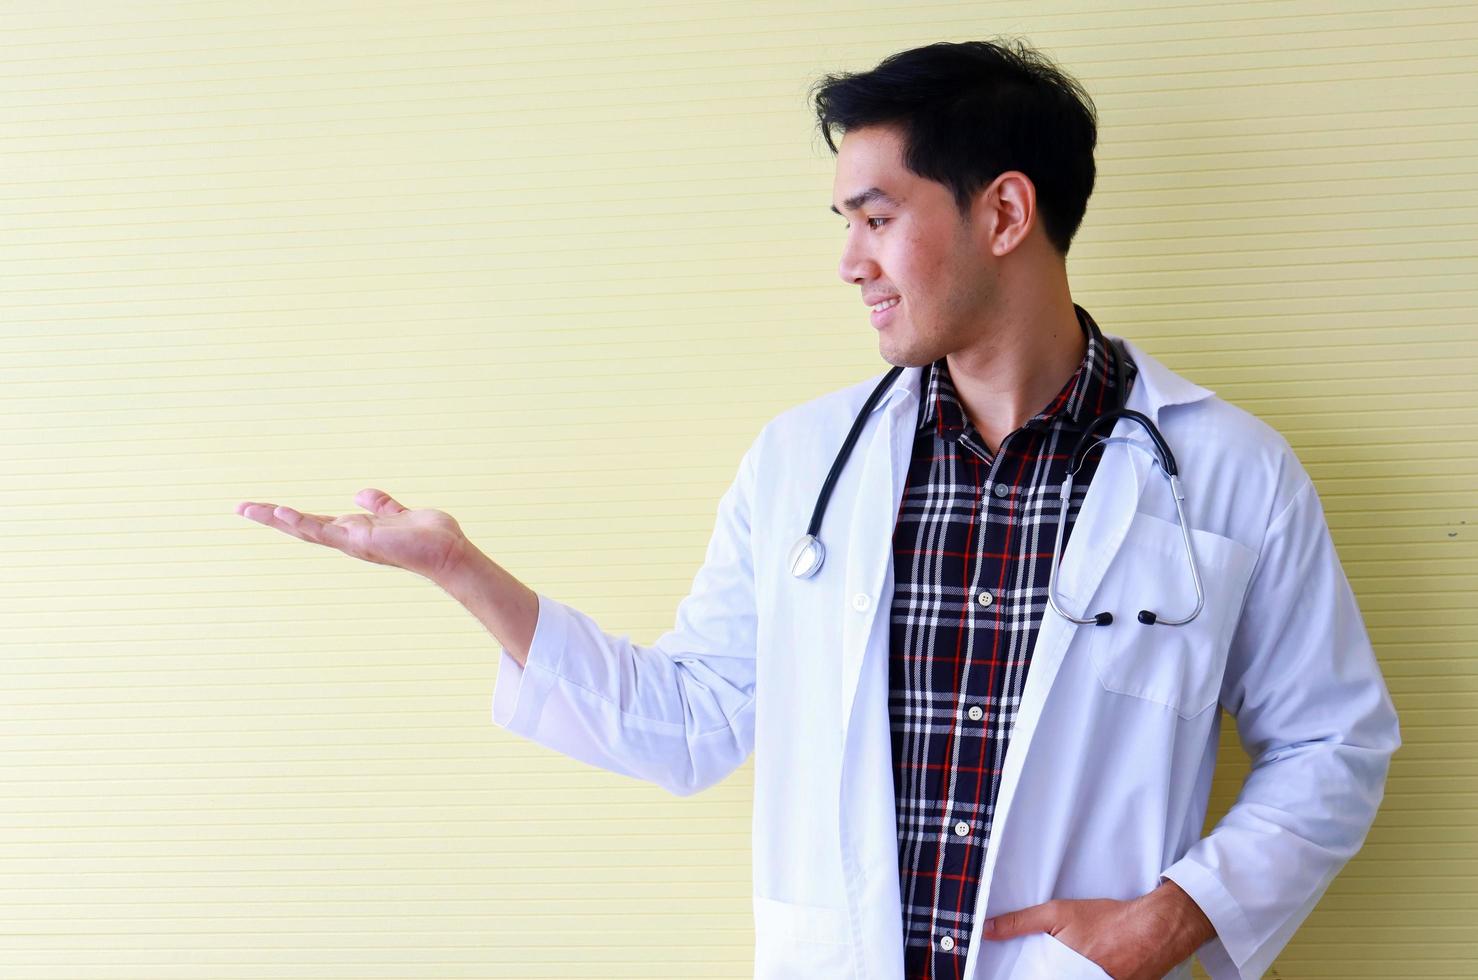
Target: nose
[{"x": 856, "y": 265}]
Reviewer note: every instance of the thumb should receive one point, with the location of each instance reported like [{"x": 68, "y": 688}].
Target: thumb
[
  {"x": 1036, "y": 918},
  {"x": 378, "y": 501}
]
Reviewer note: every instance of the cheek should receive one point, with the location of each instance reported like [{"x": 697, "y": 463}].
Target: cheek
[{"x": 911, "y": 271}]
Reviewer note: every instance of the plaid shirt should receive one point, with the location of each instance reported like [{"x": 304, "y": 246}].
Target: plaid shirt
[{"x": 972, "y": 549}]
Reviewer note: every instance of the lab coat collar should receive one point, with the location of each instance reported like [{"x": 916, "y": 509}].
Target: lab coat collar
[
  {"x": 1092, "y": 384},
  {"x": 1155, "y": 387}
]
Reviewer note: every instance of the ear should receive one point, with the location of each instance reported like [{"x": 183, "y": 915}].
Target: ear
[{"x": 1007, "y": 207}]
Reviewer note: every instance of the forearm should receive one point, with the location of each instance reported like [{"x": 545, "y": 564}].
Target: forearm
[
  {"x": 1179, "y": 919},
  {"x": 508, "y": 608}
]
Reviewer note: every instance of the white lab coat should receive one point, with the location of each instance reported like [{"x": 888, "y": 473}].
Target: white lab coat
[{"x": 1106, "y": 778}]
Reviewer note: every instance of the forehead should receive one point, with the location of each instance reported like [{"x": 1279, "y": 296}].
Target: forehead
[
  {"x": 870, "y": 150},
  {"x": 869, "y": 167}
]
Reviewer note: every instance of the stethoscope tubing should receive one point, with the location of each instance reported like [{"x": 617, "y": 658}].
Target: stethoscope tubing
[{"x": 808, "y": 553}]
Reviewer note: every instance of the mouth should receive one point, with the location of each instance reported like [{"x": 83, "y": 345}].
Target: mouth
[{"x": 883, "y": 313}]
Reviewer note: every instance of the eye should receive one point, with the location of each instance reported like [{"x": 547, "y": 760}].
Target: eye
[{"x": 871, "y": 220}]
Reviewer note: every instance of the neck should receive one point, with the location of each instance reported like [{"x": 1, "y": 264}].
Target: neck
[{"x": 1019, "y": 364}]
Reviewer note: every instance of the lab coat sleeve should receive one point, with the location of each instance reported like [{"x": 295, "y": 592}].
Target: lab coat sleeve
[
  {"x": 1317, "y": 721},
  {"x": 678, "y": 713}
]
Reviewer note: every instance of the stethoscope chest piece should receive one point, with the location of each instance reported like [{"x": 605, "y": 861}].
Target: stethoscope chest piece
[{"x": 806, "y": 557}]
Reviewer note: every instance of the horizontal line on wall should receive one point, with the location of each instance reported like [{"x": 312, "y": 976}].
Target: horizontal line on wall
[
  {"x": 644, "y": 32},
  {"x": 631, "y": 93},
  {"x": 573, "y": 55},
  {"x": 667, "y": 244},
  {"x": 786, "y": 164},
  {"x": 829, "y": 308},
  {"x": 541, "y": 28},
  {"x": 738, "y": 115}
]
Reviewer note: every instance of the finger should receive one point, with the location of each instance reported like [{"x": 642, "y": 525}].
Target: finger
[
  {"x": 254, "y": 510},
  {"x": 378, "y": 501},
  {"x": 312, "y": 527},
  {"x": 274, "y": 514},
  {"x": 309, "y": 527},
  {"x": 1036, "y": 918}
]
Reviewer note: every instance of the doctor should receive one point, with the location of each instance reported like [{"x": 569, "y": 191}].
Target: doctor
[{"x": 953, "y": 778}]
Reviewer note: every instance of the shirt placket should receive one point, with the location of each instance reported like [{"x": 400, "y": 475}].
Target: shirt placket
[{"x": 965, "y": 829}]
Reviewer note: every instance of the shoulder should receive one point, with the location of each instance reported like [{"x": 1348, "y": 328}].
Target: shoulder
[
  {"x": 1238, "y": 469},
  {"x": 1203, "y": 424},
  {"x": 841, "y": 403},
  {"x": 825, "y": 417},
  {"x": 1225, "y": 434}
]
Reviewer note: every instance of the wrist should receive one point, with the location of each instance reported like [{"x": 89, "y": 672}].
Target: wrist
[
  {"x": 508, "y": 608},
  {"x": 462, "y": 565},
  {"x": 1182, "y": 919}
]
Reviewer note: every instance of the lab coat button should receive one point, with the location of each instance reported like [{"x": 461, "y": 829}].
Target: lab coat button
[
  {"x": 861, "y": 601},
  {"x": 986, "y": 598},
  {"x": 976, "y": 712},
  {"x": 962, "y": 829},
  {"x": 947, "y": 943},
  {"x": 1001, "y": 489}
]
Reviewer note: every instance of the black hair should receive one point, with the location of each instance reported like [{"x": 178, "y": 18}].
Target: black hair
[{"x": 971, "y": 110}]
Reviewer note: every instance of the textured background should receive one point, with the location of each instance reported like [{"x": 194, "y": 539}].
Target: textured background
[{"x": 550, "y": 267}]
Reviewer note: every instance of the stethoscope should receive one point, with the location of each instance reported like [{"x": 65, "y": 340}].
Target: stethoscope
[{"x": 808, "y": 554}]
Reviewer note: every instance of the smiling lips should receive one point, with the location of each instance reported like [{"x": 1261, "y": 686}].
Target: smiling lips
[{"x": 883, "y": 312}]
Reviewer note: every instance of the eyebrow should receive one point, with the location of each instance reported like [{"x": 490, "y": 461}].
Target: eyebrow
[{"x": 866, "y": 197}]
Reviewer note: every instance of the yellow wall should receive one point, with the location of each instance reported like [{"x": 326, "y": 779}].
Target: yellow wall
[{"x": 549, "y": 267}]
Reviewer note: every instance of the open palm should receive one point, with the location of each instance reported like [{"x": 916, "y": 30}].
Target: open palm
[{"x": 427, "y": 542}]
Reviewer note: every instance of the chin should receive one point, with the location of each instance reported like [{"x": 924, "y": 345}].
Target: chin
[{"x": 907, "y": 358}]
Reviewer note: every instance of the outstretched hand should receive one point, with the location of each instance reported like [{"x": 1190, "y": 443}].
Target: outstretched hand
[{"x": 427, "y": 542}]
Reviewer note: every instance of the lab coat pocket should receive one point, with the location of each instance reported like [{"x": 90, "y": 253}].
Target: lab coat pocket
[
  {"x": 800, "y": 942},
  {"x": 1177, "y": 666},
  {"x": 1045, "y": 957}
]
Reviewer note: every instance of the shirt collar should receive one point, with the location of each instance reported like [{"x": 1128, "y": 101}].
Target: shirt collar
[{"x": 1090, "y": 392}]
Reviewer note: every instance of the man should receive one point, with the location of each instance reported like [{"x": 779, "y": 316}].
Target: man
[{"x": 973, "y": 757}]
